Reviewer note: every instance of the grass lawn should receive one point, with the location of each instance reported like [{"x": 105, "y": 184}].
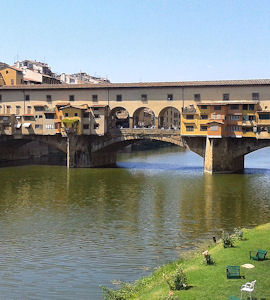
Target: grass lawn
[{"x": 209, "y": 281}]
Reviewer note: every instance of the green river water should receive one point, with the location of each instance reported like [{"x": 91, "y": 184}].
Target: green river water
[{"x": 65, "y": 233}]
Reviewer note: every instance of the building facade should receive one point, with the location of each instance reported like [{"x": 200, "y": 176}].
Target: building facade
[{"x": 215, "y": 109}]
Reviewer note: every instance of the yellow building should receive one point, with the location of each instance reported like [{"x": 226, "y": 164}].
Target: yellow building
[
  {"x": 222, "y": 119},
  {"x": 72, "y": 119},
  {"x": 11, "y": 76}
]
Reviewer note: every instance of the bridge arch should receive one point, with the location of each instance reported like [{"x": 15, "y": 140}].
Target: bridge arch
[
  {"x": 119, "y": 118},
  {"x": 144, "y": 117},
  {"x": 169, "y": 118}
]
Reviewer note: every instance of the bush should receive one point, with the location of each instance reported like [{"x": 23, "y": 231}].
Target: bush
[
  {"x": 227, "y": 240},
  {"x": 239, "y": 234},
  {"x": 178, "y": 281},
  {"x": 122, "y": 294},
  {"x": 208, "y": 259}
]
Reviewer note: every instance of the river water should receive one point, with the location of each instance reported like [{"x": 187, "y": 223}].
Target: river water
[{"x": 64, "y": 234}]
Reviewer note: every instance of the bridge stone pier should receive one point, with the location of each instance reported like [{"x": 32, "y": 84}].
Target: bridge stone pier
[
  {"x": 221, "y": 155},
  {"x": 224, "y": 155}
]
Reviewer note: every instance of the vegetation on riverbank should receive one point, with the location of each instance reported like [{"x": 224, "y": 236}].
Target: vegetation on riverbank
[{"x": 207, "y": 281}]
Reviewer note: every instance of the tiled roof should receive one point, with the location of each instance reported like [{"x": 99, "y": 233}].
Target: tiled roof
[
  {"x": 223, "y": 102},
  {"x": 62, "y": 103},
  {"x": 248, "y": 82}
]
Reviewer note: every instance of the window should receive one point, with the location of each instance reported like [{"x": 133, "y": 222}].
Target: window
[
  {"x": 255, "y": 96},
  {"x": 118, "y": 98},
  {"x": 49, "y": 98},
  {"x": 6, "y": 71},
  {"x": 96, "y": 126},
  {"x": 28, "y": 118},
  {"x": 233, "y": 117},
  {"x": 247, "y": 129},
  {"x": 50, "y": 126},
  {"x": 95, "y": 108},
  {"x": 27, "y": 98},
  {"x": 204, "y": 117},
  {"x": 204, "y": 106},
  {"x": 29, "y": 109},
  {"x": 214, "y": 128},
  {"x": 170, "y": 97},
  {"x": 8, "y": 109},
  {"x": 0, "y": 98},
  {"x": 75, "y": 114},
  {"x": 38, "y": 126},
  {"x": 49, "y": 116},
  {"x": 235, "y": 128},
  {"x": 197, "y": 97},
  {"x": 245, "y": 106},
  {"x": 95, "y": 98},
  {"x": 234, "y": 106},
  {"x": 144, "y": 97},
  {"x": 251, "y": 106},
  {"x": 189, "y": 117},
  {"x": 189, "y": 128},
  {"x": 86, "y": 114},
  {"x": 66, "y": 114},
  {"x": 85, "y": 126},
  {"x": 96, "y": 116},
  {"x": 216, "y": 116},
  {"x": 203, "y": 128},
  {"x": 226, "y": 97},
  {"x": 12, "y": 81},
  {"x": 217, "y": 107},
  {"x": 264, "y": 116},
  {"x": 71, "y": 97},
  {"x": 39, "y": 108},
  {"x": 252, "y": 118},
  {"x": 18, "y": 109}
]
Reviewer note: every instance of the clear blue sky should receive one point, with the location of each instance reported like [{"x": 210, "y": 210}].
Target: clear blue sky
[{"x": 141, "y": 40}]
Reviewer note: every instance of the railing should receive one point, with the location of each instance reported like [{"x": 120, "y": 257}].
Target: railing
[{"x": 144, "y": 131}]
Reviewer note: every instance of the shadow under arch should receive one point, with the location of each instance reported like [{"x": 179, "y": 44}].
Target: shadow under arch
[
  {"x": 30, "y": 149},
  {"x": 118, "y": 118},
  {"x": 121, "y": 142},
  {"x": 143, "y": 117},
  {"x": 169, "y": 118}
]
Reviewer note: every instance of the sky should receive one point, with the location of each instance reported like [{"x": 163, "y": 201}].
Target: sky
[{"x": 141, "y": 40}]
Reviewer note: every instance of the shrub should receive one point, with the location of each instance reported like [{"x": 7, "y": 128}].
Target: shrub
[
  {"x": 227, "y": 240},
  {"x": 239, "y": 234},
  {"x": 208, "y": 259},
  {"x": 121, "y": 294},
  {"x": 178, "y": 281}
]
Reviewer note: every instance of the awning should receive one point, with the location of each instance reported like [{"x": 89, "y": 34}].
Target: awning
[
  {"x": 18, "y": 125},
  {"x": 26, "y": 125}
]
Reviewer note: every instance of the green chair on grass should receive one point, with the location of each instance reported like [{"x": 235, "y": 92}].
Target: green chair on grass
[
  {"x": 260, "y": 255},
  {"x": 233, "y": 272}
]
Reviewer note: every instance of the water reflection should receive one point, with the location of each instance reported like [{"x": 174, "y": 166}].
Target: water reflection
[{"x": 64, "y": 233}]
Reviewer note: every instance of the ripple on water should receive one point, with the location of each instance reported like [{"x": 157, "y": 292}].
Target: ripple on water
[{"x": 63, "y": 234}]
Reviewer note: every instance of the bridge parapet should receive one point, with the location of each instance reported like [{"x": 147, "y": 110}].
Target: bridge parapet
[{"x": 144, "y": 131}]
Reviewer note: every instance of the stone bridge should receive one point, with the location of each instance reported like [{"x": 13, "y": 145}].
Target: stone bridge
[{"x": 224, "y": 155}]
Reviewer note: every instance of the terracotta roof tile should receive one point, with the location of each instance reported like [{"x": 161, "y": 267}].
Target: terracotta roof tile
[{"x": 248, "y": 82}]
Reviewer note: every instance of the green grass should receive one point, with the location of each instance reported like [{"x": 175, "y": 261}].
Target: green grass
[{"x": 210, "y": 282}]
